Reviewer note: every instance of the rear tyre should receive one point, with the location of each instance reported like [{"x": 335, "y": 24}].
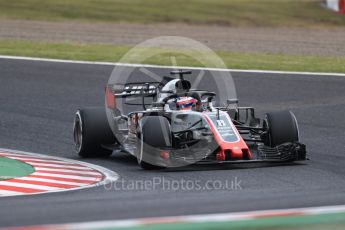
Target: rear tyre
[
  {"x": 91, "y": 131},
  {"x": 155, "y": 134},
  {"x": 282, "y": 128}
]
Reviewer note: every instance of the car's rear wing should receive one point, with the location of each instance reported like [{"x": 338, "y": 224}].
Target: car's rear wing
[{"x": 138, "y": 89}]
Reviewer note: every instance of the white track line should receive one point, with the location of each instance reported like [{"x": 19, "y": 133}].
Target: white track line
[
  {"x": 82, "y": 174},
  {"x": 26, "y": 159},
  {"x": 169, "y": 67},
  {"x": 64, "y": 168},
  {"x": 68, "y": 171},
  {"x": 21, "y": 155},
  {"x": 66, "y": 176},
  {"x": 37, "y": 160},
  {"x": 31, "y": 186},
  {"x": 67, "y": 166},
  {"x": 9, "y": 193},
  {"x": 51, "y": 181},
  {"x": 56, "y": 163}
]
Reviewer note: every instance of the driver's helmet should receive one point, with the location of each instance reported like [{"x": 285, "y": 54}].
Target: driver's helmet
[{"x": 185, "y": 103}]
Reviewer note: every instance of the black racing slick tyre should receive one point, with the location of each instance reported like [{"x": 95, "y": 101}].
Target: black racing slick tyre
[
  {"x": 155, "y": 134},
  {"x": 282, "y": 128},
  {"x": 91, "y": 131}
]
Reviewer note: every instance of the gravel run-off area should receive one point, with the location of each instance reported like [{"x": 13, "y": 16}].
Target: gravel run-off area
[{"x": 291, "y": 41}]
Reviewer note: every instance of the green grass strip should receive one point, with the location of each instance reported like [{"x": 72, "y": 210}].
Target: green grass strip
[
  {"x": 224, "y": 12},
  {"x": 112, "y": 53},
  {"x": 317, "y": 222},
  {"x": 10, "y": 168}
]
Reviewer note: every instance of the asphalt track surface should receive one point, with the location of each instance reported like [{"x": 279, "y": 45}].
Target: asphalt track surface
[{"x": 37, "y": 105}]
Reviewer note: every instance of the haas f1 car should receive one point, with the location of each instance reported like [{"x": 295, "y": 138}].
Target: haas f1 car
[{"x": 182, "y": 126}]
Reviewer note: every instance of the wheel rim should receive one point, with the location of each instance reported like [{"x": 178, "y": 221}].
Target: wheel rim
[{"x": 78, "y": 133}]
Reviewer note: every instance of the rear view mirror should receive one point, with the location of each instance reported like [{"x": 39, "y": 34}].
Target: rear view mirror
[{"x": 232, "y": 101}]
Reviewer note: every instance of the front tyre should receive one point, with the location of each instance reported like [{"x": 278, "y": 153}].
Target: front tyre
[
  {"x": 282, "y": 128},
  {"x": 155, "y": 134},
  {"x": 91, "y": 132}
]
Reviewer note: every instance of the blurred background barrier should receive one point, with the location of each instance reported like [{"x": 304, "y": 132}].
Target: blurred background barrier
[{"x": 336, "y": 5}]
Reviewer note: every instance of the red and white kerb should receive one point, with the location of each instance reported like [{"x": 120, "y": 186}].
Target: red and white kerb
[{"x": 51, "y": 174}]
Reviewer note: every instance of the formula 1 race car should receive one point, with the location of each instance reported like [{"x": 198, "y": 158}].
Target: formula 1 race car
[{"x": 181, "y": 126}]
